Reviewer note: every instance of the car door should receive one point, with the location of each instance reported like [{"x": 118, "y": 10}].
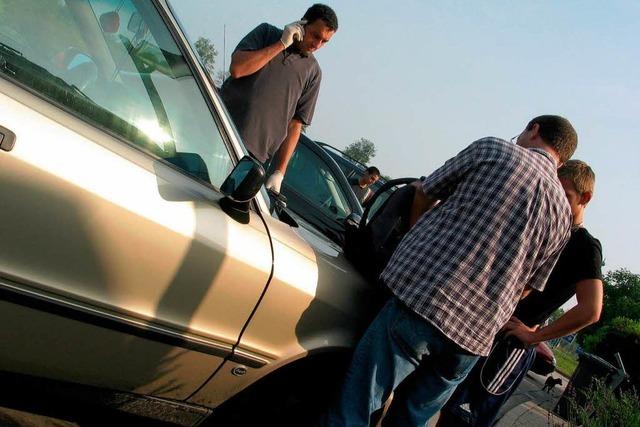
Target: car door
[
  {"x": 317, "y": 190},
  {"x": 118, "y": 267}
]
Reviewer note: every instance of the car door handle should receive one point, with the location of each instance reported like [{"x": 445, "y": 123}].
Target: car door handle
[{"x": 7, "y": 139}]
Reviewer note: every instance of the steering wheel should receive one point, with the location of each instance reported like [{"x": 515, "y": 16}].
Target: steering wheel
[{"x": 372, "y": 200}]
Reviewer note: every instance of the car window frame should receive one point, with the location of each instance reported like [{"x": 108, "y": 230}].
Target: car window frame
[
  {"x": 343, "y": 185},
  {"x": 230, "y": 135}
]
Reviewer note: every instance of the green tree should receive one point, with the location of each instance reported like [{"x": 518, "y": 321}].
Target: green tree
[
  {"x": 621, "y": 295},
  {"x": 361, "y": 150},
  {"x": 621, "y": 299},
  {"x": 619, "y": 327},
  {"x": 208, "y": 53}
]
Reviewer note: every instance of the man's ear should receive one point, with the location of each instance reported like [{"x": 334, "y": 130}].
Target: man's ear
[
  {"x": 535, "y": 129},
  {"x": 585, "y": 197}
]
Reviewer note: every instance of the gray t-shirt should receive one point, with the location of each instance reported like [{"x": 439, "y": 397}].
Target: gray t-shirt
[
  {"x": 263, "y": 103},
  {"x": 361, "y": 193}
]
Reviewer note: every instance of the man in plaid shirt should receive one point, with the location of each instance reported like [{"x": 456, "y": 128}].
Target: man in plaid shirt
[{"x": 492, "y": 219}]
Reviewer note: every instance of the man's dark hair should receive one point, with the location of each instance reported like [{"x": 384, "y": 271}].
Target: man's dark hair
[
  {"x": 557, "y": 132},
  {"x": 372, "y": 170},
  {"x": 324, "y": 12}
]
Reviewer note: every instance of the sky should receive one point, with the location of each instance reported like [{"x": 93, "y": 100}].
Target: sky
[{"x": 423, "y": 79}]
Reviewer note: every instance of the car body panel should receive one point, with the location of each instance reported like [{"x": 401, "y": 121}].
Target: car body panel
[
  {"x": 311, "y": 309},
  {"x": 124, "y": 272},
  {"x": 545, "y": 361},
  {"x": 80, "y": 239}
]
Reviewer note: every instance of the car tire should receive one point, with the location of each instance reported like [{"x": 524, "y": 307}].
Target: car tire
[{"x": 296, "y": 396}]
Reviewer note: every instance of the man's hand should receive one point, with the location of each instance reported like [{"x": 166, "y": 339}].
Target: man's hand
[
  {"x": 292, "y": 32},
  {"x": 514, "y": 327},
  {"x": 275, "y": 181}
]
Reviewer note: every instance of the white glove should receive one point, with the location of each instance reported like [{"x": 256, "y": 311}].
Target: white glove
[
  {"x": 274, "y": 182},
  {"x": 292, "y": 32}
]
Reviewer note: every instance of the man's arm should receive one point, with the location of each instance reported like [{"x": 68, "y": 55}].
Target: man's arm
[
  {"x": 247, "y": 62},
  {"x": 422, "y": 202},
  {"x": 284, "y": 155},
  {"x": 442, "y": 182},
  {"x": 589, "y": 294}
]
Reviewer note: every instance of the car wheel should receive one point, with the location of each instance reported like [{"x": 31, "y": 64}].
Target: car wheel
[{"x": 296, "y": 397}]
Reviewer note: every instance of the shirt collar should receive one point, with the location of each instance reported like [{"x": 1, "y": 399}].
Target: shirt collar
[{"x": 544, "y": 153}]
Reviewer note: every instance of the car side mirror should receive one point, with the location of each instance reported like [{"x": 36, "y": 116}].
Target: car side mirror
[{"x": 242, "y": 185}]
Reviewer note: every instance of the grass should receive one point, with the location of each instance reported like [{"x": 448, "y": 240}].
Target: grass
[{"x": 566, "y": 361}]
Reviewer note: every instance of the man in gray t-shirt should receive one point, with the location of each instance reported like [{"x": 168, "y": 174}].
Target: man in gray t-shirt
[
  {"x": 274, "y": 84},
  {"x": 360, "y": 185}
]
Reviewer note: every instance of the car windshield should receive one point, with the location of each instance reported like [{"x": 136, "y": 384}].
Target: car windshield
[{"x": 115, "y": 63}]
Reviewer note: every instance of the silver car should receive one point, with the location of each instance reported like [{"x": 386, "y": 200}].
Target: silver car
[{"x": 138, "y": 268}]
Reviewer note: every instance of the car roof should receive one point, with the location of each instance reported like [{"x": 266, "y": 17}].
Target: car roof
[{"x": 337, "y": 152}]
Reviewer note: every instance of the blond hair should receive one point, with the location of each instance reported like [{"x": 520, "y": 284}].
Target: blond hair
[{"x": 580, "y": 174}]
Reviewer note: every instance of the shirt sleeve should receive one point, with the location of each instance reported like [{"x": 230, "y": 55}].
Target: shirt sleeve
[
  {"x": 256, "y": 39},
  {"x": 444, "y": 180},
  {"x": 589, "y": 263},
  {"x": 307, "y": 102}
]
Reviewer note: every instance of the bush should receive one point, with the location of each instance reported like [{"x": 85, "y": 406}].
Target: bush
[{"x": 606, "y": 408}]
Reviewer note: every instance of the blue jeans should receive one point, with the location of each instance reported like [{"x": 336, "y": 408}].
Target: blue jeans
[{"x": 396, "y": 344}]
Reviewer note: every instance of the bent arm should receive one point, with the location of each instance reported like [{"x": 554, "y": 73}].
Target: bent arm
[
  {"x": 246, "y": 62},
  {"x": 589, "y": 294}
]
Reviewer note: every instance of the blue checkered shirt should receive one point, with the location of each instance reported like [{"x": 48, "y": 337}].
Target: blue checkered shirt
[{"x": 501, "y": 225}]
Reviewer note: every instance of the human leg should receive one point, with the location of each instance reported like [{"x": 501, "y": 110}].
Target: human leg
[
  {"x": 379, "y": 364},
  {"x": 431, "y": 385}
]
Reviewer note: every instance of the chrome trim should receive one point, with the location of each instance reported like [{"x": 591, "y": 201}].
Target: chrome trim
[
  {"x": 247, "y": 359},
  {"x": 91, "y": 314}
]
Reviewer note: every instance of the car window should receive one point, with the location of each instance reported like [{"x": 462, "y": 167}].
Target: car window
[
  {"x": 115, "y": 64},
  {"x": 310, "y": 176}
]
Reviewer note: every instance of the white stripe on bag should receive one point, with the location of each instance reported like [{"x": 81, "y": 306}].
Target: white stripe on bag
[{"x": 503, "y": 373}]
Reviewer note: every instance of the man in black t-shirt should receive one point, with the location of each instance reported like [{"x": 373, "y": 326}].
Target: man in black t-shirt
[{"x": 577, "y": 272}]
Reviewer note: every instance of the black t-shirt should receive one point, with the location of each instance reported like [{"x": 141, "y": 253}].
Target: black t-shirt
[{"x": 581, "y": 259}]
